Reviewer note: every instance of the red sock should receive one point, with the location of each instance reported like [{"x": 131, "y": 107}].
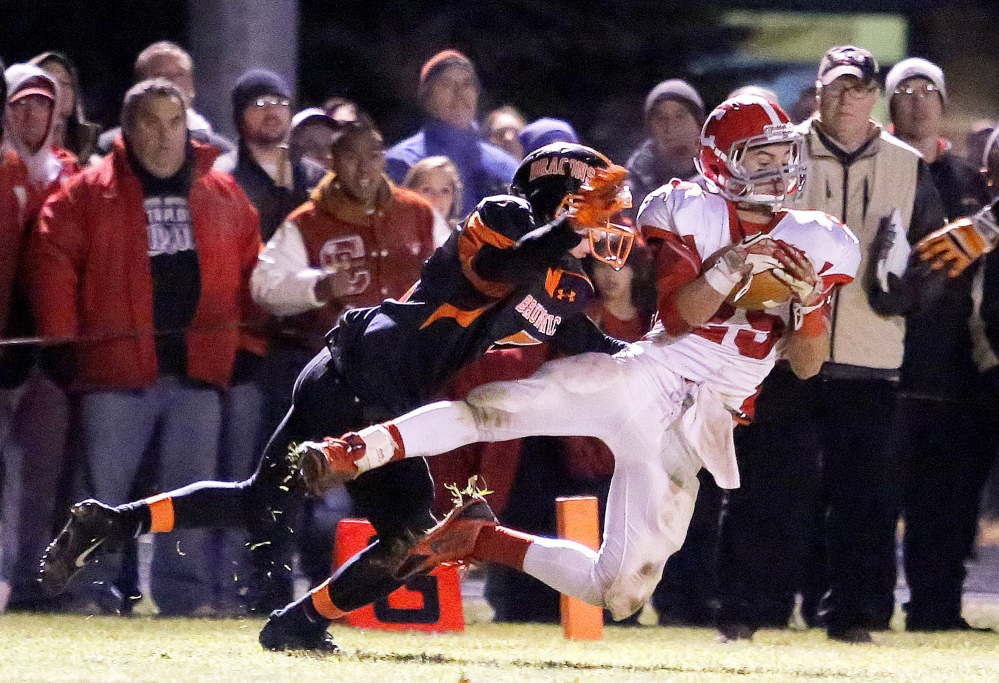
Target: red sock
[{"x": 503, "y": 546}]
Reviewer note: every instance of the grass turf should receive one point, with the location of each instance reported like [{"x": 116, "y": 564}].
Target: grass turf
[{"x": 106, "y": 649}]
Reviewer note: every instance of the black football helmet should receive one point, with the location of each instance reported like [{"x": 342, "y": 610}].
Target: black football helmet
[
  {"x": 551, "y": 173},
  {"x": 550, "y": 177}
]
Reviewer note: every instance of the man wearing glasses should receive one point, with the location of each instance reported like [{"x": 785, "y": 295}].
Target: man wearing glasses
[
  {"x": 276, "y": 184},
  {"x": 944, "y": 397},
  {"x": 869, "y": 179},
  {"x": 254, "y": 404}
]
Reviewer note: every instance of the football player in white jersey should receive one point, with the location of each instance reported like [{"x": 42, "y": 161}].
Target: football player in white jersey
[{"x": 666, "y": 406}]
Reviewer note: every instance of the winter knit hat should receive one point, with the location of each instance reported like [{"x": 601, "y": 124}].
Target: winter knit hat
[
  {"x": 914, "y": 67},
  {"x": 539, "y": 133},
  {"x": 680, "y": 91},
  {"x": 438, "y": 64},
  {"x": 253, "y": 84}
]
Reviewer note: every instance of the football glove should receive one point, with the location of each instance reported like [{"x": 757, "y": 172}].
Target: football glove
[{"x": 957, "y": 245}]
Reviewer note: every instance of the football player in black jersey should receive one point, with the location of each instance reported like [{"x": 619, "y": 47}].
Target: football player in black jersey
[{"x": 511, "y": 275}]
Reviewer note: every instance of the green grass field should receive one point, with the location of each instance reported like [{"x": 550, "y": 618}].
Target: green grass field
[{"x": 105, "y": 649}]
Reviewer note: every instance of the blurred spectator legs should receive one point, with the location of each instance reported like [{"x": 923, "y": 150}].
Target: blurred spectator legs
[
  {"x": 116, "y": 426},
  {"x": 239, "y": 451},
  {"x": 34, "y": 419},
  {"x": 862, "y": 477},
  {"x": 951, "y": 450},
  {"x": 766, "y": 529}
]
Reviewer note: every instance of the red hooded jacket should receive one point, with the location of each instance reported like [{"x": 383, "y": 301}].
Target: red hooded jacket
[{"x": 91, "y": 277}]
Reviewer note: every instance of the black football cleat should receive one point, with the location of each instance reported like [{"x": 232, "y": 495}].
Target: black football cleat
[
  {"x": 92, "y": 530},
  {"x": 291, "y": 629}
]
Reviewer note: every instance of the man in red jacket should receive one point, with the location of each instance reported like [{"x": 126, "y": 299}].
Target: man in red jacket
[{"x": 142, "y": 264}]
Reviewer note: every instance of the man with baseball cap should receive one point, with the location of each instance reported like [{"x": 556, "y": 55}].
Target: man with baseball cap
[
  {"x": 449, "y": 94},
  {"x": 946, "y": 418},
  {"x": 869, "y": 179}
]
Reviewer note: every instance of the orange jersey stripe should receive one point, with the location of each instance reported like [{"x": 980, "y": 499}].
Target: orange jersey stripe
[
  {"x": 463, "y": 318},
  {"x": 520, "y": 339}
]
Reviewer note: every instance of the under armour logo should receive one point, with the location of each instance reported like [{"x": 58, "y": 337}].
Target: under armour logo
[{"x": 563, "y": 294}]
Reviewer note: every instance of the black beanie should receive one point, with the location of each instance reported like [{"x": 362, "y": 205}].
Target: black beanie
[{"x": 253, "y": 84}]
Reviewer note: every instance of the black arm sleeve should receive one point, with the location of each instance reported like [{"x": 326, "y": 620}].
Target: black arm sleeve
[
  {"x": 534, "y": 249},
  {"x": 579, "y": 334},
  {"x": 927, "y": 208}
]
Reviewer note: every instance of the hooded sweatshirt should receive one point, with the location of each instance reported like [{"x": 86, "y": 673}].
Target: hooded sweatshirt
[{"x": 49, "y": 165}]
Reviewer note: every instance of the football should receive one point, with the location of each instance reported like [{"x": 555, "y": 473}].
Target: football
[{"x": 764, "y": 291}]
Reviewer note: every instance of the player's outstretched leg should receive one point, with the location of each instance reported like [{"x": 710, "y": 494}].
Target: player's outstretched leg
[
  {"x": 92, "y": 530},
  {"x": 453, "y": 539}
]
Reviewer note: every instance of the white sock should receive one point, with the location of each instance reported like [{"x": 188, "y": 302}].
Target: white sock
[
  {"x": 437, "y": 428},
  {"x": 566, "y": 566},
  {"x": 379, "y": 448}
]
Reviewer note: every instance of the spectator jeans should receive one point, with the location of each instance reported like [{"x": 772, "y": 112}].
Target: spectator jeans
[{"x": 180, "y": 421}]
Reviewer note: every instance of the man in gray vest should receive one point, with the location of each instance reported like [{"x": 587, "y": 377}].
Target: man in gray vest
[{"x": 870, "y": 180}]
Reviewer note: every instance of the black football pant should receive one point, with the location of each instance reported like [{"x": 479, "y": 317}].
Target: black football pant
[
  {"x": 396, "y": 499},
  {"x": 951, "y": 447}
]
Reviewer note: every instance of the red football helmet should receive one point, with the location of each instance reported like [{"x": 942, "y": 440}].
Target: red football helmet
[{"x": 734, "y": 128}]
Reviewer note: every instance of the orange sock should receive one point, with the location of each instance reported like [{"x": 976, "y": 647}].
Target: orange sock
[
  {"x": 322, "y": 604},
  {"x": 160, "y": 513},
  {"x": 503, "y": 546}
]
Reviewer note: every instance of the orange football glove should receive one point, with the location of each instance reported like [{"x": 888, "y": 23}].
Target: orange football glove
[
  {"x": 954, "y": 247},
  {"x": 604, "y": 195}
]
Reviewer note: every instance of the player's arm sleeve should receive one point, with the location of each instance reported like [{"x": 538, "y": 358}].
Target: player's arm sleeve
[
  {"x": 675, "y": 256},
  {"x": 283, "y": 283},
  {"x": 501, "y": 244},
  {"x": 579, "y": 334},
  {"x": 676, "y": 264}
]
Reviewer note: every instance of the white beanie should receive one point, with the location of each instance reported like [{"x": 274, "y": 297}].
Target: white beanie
[{"x": 911, "y": 68}]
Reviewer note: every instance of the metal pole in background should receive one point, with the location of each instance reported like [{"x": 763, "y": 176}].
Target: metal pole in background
[{"x": 227, "y": 37}]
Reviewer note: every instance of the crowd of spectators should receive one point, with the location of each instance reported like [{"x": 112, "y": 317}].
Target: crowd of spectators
[{"x": 163, "y": 287}]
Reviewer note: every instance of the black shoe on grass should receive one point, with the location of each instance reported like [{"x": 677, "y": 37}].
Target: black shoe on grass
[
  {"x": 291, "y": 629},
  {"x": 92, "y": 530}
]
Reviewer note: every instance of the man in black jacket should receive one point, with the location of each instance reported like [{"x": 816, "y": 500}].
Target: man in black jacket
[
  {"x": 950, "y": 436},
  {"x": 275, "y": 183}
]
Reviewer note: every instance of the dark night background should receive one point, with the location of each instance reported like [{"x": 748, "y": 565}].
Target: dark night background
[{"x": 588, "y": 61}]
